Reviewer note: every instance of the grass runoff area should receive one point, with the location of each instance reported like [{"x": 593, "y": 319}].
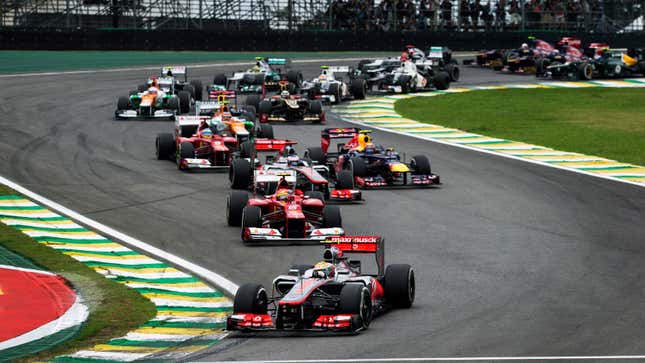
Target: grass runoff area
[
  {"x": 115, "y": 309},
  {"x": 607, "y": 122},
  {"x": 46, "y": 61}
]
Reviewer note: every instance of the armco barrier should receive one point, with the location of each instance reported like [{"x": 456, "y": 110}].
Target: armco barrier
[{"x": 117, "y": 39}]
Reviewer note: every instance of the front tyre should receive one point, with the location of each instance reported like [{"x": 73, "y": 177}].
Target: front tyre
[
  {"x": 399, "y": 285},
  {"x": 355, "y": 299},
  {"x": 251, "y": 299}
]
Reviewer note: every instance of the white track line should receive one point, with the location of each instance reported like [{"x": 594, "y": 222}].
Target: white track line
[
  {"x": 214, "y": 278},
  {"x": 536, "y": 162},
  {"x": 456, "y": 359}
]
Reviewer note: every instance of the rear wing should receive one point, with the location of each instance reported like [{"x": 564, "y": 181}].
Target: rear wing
[
  {"x": 277, "y": 61},
  {"x": 359, "y": 244},
  {"x": 215, "y": 93},
  {"x": 175, "y": 71},
  {"x": 272, "y": 144},
  {"x": 326, "y": 135},
  {"x": 435, "y": 52},
  {"x": 336, "y": 69}
]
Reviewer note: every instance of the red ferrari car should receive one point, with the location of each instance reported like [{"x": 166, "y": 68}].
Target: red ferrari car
[
  {"x": 332, "y": 295},
  {"x": 289, "y": 215}
]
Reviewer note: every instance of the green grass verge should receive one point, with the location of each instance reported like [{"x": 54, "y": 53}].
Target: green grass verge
[
  {"x": 605, "y": 122},
  {"x": 115, "y": 309},
  {"x": 43, "y": 61}
]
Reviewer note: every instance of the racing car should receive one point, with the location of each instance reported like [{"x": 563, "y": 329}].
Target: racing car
[
  {"x": 307, "y": 176},
  {"x": 334, "y": 295},
  {"x": 372, "y": 166},
  {"x": 152, "y": 103},
  {"x": 438, "y": 58},
  {"x": 263, "y": 76},
  {"x": 616, "y": 63},
  {"x": 373, "y": 71},
  {"x": 412, "y": 76},
  {"x": 332, "y": 88},
  {"x": 290, "y": 215},
  {"x": 287, "y": 107},
  {"x": 488, "y": 58}
]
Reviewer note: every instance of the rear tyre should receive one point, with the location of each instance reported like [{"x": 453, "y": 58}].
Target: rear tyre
[
  {"x": 173, "y": 104},
  {"x": 399, "y": 285},
  {"x": 541, "y": 66},
  {"x": 316, "y": 154},
  {"x": 240, "y": 174},
  {"x": 251, "y": 299},
  {"x": 253, "y": 100},
  {"x": 453, "y": 72},
  {"x": 315, "y": 107},
  {"x": 235, "y": 203},
  {"x": 265, "y": 107},
  {"x": 190, "y": 89},
  {"x": 295, "y": 78},
  {"x": 220, "y": 79},
  {"x": 420, "y": 164},
  {"x": 247, "y": 149},
  {"x": 266, "y": 131},
  {"x": 359, "y": 88},
  {"x": 142, "y": 88},
  {"x": 331, "y": 217},
  {"x": 358, "y": 167},
  {"x": 334, "y": 89},
  {"x": 165, "y": 146},
  {"x": 585, "y": 71},
  {"x": 199, "y": 88},
  {"x": 441, "y": 81},
  {"x": 123, "y": 103},
  {"x": 355, "y": 300},
  {"x": 184, "y": 101},
  {"x": 404, "y": 82},
  {"x": 344, "y": 180},
  {"x": 248, "y": 116}
]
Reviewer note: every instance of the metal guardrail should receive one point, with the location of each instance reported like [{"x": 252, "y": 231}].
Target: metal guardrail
[{"x": 385, "y": 15}]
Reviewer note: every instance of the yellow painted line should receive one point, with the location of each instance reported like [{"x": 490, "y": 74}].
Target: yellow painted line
[
  {"x": 377, "y": 113},
  {"x": 582, "y": 84},
  {"x": 198, "y": 314},
  {"x": 636, "y": 179},
  {"x": 562, "y": 157},
  {"x": 110, "y": 257},
  {"x": 508, "y": 146},
  {"x": 468, "y": 140},
  {"x": 457, "y": 90},
  {"x": 173, "y": 331},
  {"x": 83, "y": 233},
  {"x": 535, "y": 152},
  {"x": 65, "y": 221},
  {"x": 85, "y": 246},
  {"x": 17, "y": 203},
  {"x": 420, "y": 129},
  {"x": 388, "y": 120},
  {"x": 582, "y": 164},
  {"x": 631, "y": 171},
  {"x": 139, "y": 270},
  {"x": 26, "y": 212},
  {"x": 161, "y": 286},
  {"x": 154, "y": 295}
]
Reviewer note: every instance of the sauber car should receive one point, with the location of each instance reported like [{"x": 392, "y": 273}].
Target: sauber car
[
  {"x": 371, "y": 165},
  {"x": 334, "y": 295},
  {"x": 280, "y": 159},
  {"x": 330, "y": 86},
  {"x": 288, "y": 216}
]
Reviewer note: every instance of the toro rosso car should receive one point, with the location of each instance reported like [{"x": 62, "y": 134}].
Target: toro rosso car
[
  {"x": 265, "y": 75},
  {"x": 287, "y": 107},
  {"x": 287, "y": 216},
  {"x": 372, "y": 166},
  {"x": 333, "y": 295},
  {"x": 308, "y": 177},
  {"x": 330, "y": 87}
]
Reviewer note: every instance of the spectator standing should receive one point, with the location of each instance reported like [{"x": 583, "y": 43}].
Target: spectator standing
[
  {"x": 475, "y": 10},
  {"x": 500, "y": 15},
  {"x": 487, "y": 16},
  {"x": 464, "y": 15},
  {"x": 446, "y": 14},
  {"x": 516, "y": 15},
  {"x": 424, "y": 15}
]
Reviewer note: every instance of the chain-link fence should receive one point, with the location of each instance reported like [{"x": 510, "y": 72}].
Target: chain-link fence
[{"x": 604, "y": 16}]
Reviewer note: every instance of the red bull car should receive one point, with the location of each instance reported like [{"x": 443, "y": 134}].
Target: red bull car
[
  {"x": 333, "y": 295},
  {"x": 371, "y": 166},
  {"x": 289, "y": 215}
]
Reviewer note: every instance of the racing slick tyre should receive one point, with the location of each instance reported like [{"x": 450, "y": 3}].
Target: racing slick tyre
[
  {"x": 344, "y": 180},
  {"x": 453, "y": 72},
  {"x": 184, "y": 101},
  {"x": 358, "y": 167},
  {"x": 249, "y": 78},
  {"x": 249, "y": 116},
  {"x": 235, "y": 203},
  {"x": 585, "y": 71},
  {"x": 295, "y": 78},
  {"x": 359, "y": 88},
  {"x": 253, "y": 100},
  {"x": 123, "y": 103},
  {"x": 316, "y": 154},
  {"x": 173, "y": 103},
  {"x": 220, "y": 79},
  {"x": 420, "y": 164},
  {"x": 199, "y": 88},
  {"x": 142, "y": 88},
  {"x": 312, "y": 194},
  {"x": 259, "y": 79},
  {"x": 265, "y": 131},
  {"x": 190, "y": 89},
  {"x": 265, "y": 107},
  {"x": 247, "y": 149},
  {"x": 331, "y": 217},
  {"x": 540, "y": 67},
  {"x": 399, "y": 285},
  {"x": 186, "y": 151},
  {"x": 251, "y": 217},
  {"x": 334, "y": 90},
  {"x": 405, "y": 83},
  {"x": 301, "y": 268},
  {"x": 355, "y": 300},
  {"x": 441, "y": 81},
  {"x": 251, "y": 299},
  {"x": 165, "y": 146},
  {"x": 240, "y": 174},
  {"x": 315, "y": 107}
]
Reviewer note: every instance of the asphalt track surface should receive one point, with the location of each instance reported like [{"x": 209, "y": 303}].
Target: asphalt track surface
[{"x": 511, "y": 259}]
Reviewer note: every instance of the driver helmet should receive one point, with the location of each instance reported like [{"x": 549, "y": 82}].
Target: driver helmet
[
  {"x": 525, "y": 46},
  {"x": 404, "y": 56},
  {"x": 325, "y": 269},
  {"x": 283, "y": 194},
  {"x": 284, "y": 94},
  {"x": 293, "y": 160},
  {"x": 207, "y": 133}
]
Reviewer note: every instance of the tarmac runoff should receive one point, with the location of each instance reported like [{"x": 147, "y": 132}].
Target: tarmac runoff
[
  {"x": 190, "y": 313},
  {"x": 379, "y": 113}
]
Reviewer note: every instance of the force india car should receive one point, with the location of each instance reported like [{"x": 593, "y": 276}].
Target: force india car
[
  {"x": 151, "y": 104},
  {"x": 287, "y": 216},
  {"x": 333, "y": 295},
  {"x": 263, "y": 76},
  {"x": 308, "y": 177},
  {"x": 371, "y": 166},
  {"x": 330, "y": 86},
  {"x": 287, "y": 107},
  {"x": 208, "y": 142}
]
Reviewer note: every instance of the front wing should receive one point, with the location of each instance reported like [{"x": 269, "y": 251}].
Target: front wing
[
  {"x": 413, "y": 181},
  {"x": 269, "y": 235},
  {"x": 247, "y": 322},
  {"x": 133, "y": 114}
]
